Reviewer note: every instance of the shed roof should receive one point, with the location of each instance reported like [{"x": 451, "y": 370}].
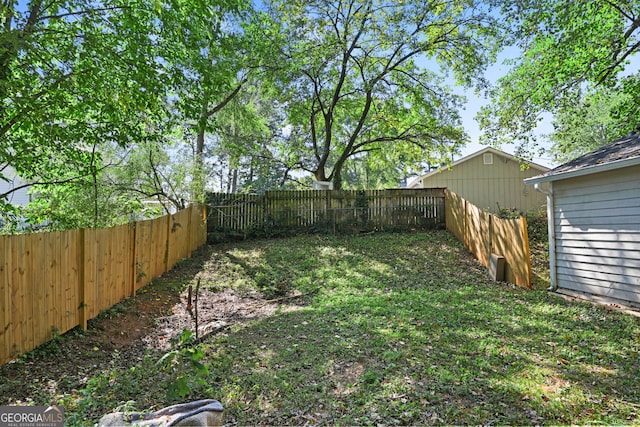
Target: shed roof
[
  {"x": 474, "y": 155},
  {"x": 618, "y": 154}
]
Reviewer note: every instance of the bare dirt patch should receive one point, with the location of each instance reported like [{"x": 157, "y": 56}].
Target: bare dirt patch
[
  {"x": 216, "y": 311},
  {"x": 126, "y": 333}
]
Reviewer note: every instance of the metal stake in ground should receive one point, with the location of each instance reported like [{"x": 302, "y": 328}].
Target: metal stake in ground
[
  {"x": 193, "y": 308},
  {"x": 196, "y": 307}
]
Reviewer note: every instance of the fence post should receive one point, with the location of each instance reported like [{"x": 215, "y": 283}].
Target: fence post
[
  {"x": 82, "y": 292},
  {"x": 264, "y": 208},
  {"x": 190, "y": 245},
  {"x": 465, "y": 225},
  {"x": 6, "y": 330},
  {"x": 489, "y": 236},
  {"x": 134, "y": 268},
  {"x": 445, "y": 202},
  {"x": 203, "y": 224},
  {"x": 166, "y": 245},
  {"x": 527, "y": 250}
]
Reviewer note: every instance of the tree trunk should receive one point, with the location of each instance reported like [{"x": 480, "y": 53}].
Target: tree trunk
[
  {"x": 337, "y": 172},
  {"x": 234, "y": 180},
  {"x": 320, "y": 175},
  {"x": 250, "y": 177},
  {"x": 337, "y": 179},
  {"x": 197, "y": 189}
]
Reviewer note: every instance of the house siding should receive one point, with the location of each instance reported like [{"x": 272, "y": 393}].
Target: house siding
[
  {"x": 597, "y": 234},
  {"x": 488, "y": 186}
]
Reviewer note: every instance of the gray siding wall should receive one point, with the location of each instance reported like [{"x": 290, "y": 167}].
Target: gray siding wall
[{"x": 597, "y": 223}]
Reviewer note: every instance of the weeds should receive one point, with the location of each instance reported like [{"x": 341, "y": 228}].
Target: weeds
[
  {"x": 49, "y": 349},
  {"x": 185, "y": 370}
]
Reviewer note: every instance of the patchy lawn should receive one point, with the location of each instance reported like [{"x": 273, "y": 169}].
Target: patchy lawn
[{"x": 375, "y": 329}]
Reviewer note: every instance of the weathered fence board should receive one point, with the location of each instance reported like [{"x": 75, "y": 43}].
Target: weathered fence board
[
  {"x": 108, "y": 272},
  {"x": 53, "y": 282},
  {"x": 144, "y": 253},
  {"x": 5, "y": 294},
  {"x": 198, "y": 226},
  {"x": 331, "y": 210},
  {"x": 178, "y": 246},
  {"x": 71, "y": 275},
  {"x": 509, "y": 237},
  {"x": 483, "y": 234},
  {"x": 21, "y": 292},
  {"x": 455, "y": 216},
  {"x": 159, "y": 233}
]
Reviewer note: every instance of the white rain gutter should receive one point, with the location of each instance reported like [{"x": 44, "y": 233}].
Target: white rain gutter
[
  {"x": 602, "y": 167},
  {"x": 552, "y": 233}
]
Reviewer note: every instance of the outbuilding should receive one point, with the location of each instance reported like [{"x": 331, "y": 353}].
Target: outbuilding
[
  {"x": 593, "y": 207},
  {"x": 490, "y": 179}
]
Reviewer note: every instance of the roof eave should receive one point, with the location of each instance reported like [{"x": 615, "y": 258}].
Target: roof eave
[
  {"x": 604, "y": 167},
  {"x": 476, "y": 154}
]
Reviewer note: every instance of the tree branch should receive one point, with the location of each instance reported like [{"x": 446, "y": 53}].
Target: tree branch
[
  {"x": 606, "y": 73},
  {"x": 619, "y": 9},
  {"x": 33, "y": 16},
  {"x": 19, "y": 114},
  {"x": 227, "y": 99},
  {"x": 83, "y": 12},
  {"x": 47, "y": 183}
]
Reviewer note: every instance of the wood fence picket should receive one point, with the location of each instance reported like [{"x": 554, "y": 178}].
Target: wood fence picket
[
  {"x": 484, "y": 234},
  {"x": 53, "y": 282},
  {"x": 326, "y": 209}
]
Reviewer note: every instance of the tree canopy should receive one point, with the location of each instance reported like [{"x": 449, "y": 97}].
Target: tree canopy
[
  {"x": 353, "y": 79},
  {"x": 80, "y": 76},
  {"x": 73, "y": 72},
  {"x": 572, "y": 53},
  {"x": 107, "y": 101}
]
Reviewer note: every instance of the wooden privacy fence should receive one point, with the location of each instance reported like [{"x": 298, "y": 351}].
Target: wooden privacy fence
[
  {"x": 484, "y": 234},
  {"x": 326, "y": 210},
  {"x": 53, "y": 282}
]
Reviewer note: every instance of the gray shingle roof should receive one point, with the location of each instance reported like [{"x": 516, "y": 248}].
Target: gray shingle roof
[{"x": 623, "y": 149}]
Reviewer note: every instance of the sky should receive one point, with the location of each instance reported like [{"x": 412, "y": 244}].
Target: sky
[
  {"x": 473, "y": 130},
  {"x": 475, "y": 102}
]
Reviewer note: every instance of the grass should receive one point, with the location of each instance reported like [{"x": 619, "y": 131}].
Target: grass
[
  {"x": 392, "y": 329},
  {"x": 539, "y": 248}
]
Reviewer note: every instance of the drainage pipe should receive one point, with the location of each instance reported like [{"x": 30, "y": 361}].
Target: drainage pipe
[{"x": 552, "y": 233}]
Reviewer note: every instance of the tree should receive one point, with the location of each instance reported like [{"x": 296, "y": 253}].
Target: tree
[
  {"x": 212, "y": 50},
  {"x": 352, "y": 79},
  {"x": 151, "y": 174},
  {"x": 74, "y": 75},
  {"x": 569, "y": 48},
  {"x": 248, "y": 148},
  {"x": 70, "y": 71},
  {"x": 593, "y": 121},
  {"x": 78, "y": 76}
]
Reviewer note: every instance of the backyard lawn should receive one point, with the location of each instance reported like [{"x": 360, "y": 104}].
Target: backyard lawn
[{"x": 387, "y": 329}]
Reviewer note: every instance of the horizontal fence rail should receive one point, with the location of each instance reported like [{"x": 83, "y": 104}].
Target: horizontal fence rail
[
  {"x": 53, "y": 282},
  {"x": 484, "y": 234},
  {"x": 326, "y": 210}
]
